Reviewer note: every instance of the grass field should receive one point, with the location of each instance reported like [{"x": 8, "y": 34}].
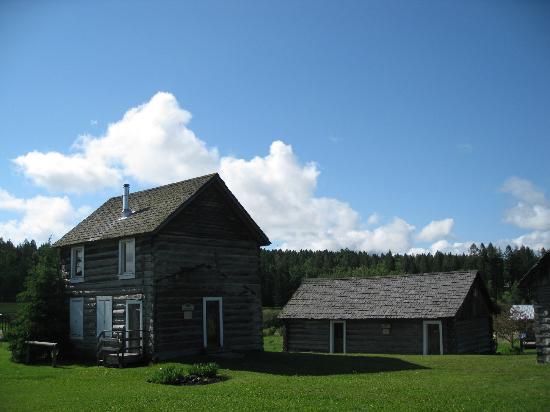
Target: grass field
[{"x": 281, "y": 381}]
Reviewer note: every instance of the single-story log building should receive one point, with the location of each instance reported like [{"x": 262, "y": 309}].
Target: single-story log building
[
  {"x": 537, "y": 280},
  {"x": 432, "y": 313}
]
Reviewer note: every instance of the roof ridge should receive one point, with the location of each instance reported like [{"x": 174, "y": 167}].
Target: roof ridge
[
  {"x": 404, "y": 275},
  {"x": 210, "y": 175}
]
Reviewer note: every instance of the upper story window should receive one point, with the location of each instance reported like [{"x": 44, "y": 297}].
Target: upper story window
[
  {"x": 127, "y": 258},
  {"x": 77, "y": 264}
]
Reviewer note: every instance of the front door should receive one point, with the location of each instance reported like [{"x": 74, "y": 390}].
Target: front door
[
  {"x": 133, "y": 324},
  {"x": 338, "y": 337},
  {"x": 432, "y": 338},
  {"x": 213, "y": 323},
  {"x": 104, "y": 315}
]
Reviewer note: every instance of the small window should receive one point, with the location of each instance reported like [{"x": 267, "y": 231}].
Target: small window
[
  {"x": 127, "y": 258},
  {"x": 77, "y": 263},
  {"x": 76, "y": 316}
]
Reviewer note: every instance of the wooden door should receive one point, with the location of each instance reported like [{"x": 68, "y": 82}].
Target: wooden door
[
  {"x": 133, "y": 324},
  {"x": 76, "y": 317},
  {"x": 213, "y": 329},
  {"x": 338, "y": 337},
  {"x": 434, "y": 339},
  {"x": 104, "y": 315}
]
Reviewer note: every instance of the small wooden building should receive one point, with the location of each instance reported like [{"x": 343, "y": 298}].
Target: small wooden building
[
  {"x": 434, "y": 313},
  {"x": 174, "y": 268},
  {"x": 537, "y": 280}
]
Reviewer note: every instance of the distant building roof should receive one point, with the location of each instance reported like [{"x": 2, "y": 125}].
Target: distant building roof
[
  {"x": 532, "y": 273},
  {"x": 151, "y": 209},
  {"x": 518, "y": 312},
  {"x": 429, "y": 295}
]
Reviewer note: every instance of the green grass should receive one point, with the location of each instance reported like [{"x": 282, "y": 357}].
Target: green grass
[{"x": 280, "y": 381}]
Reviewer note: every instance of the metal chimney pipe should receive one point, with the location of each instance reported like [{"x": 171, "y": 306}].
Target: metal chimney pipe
[{"x": 125, "y": 204}]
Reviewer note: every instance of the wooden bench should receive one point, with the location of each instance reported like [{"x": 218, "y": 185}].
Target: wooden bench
[{"x": 51, "y": 346}]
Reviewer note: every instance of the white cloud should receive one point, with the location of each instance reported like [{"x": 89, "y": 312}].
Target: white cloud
[
  {"x": 531, "y": 211},
  {"x": 436, "y": 229},
  {"x": 41, "y": 217},
  {"x": 153, "y": 144},
  {"x": 465, "y": 147},
  {"x": 373, "y": 219}
]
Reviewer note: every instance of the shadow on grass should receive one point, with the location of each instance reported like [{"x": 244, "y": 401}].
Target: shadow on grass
[{"x": 313, "y": 364}]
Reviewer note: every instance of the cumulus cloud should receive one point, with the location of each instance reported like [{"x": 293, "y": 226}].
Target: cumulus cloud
[
  {"x": 436, "y": 229},
  {"x": 531, "y": 211},
  {"x": 153, "y": 144},
  {"x": 40, "y": 217}
]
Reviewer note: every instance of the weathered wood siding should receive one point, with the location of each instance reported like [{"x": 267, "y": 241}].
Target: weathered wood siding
[
  {"x": 305, "y": 335},
  {"x": 366, "y": 336},
  {"x": 101, "y": 279},
  {"x": 472, "y": 328},
  {"x": 542, "y": 316},
  {"x": 206, "y": 251}
]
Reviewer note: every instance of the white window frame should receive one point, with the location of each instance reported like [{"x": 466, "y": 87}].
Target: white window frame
[
  {"x": 81, "y": 336},
  {"x": 331, "y": 344},
  {"x": 134, "y": 302},
  {"x": 220, "y": 308},
  {"x": 425, "y": 335},
  {"x": 74, "y": 278},
  {"x": 122, "y": 259}
]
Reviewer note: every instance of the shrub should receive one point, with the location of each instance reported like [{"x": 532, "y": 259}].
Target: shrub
[
  {"x": 43, "y": 311},
  {"x": 167, "y": 375},
  {"x": 204, "y": 370}
]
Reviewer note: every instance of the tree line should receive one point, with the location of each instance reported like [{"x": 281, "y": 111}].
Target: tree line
[
  {"x": 15, "y": 264},
  {"x": 282, "y": 271}
]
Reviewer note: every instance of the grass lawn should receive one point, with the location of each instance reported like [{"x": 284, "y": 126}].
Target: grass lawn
[{"x": 280, "y": 381}]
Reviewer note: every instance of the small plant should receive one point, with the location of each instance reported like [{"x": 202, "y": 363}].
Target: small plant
[
  {"x": 168, "y": 375},
  {"x": 204, "y": 370}
]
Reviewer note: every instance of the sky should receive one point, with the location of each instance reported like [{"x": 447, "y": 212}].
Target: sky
[{"x": 410, "y": 126}]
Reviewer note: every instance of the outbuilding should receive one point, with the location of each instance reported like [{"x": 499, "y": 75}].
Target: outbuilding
[
  {"x": 430, "y": 313},
  {"x": 537, "y": 280}
]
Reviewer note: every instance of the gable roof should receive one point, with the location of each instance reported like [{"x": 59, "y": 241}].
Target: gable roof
[
  {"x": 528, "y": 278},
  {"x": 428, "y": 295},
  {"x": 152, "y": 209}
]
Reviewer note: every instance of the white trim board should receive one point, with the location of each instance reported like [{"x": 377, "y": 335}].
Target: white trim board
[
  {"x": 425, "y": 335},
  {"x": 220, "y": 306},
  {"x": 331, "y": 344}
]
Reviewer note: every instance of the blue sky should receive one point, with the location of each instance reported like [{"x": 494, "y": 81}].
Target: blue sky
[{"x": 390, "y": 115}]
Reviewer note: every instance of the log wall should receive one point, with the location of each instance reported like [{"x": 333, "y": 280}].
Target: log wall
[
  {"x": 542, "y": 316},
  {"x": 101, "y": 279}
]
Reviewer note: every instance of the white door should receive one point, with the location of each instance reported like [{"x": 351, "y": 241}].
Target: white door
[
  {"x": 76, "y": 310},
  {"x": 104, "y": 310}
]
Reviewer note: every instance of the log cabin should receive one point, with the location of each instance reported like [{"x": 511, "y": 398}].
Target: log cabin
[
  {"x": 168, "y": 271},
  {"x": 537, "y": 282},
  {"x": 434, "y": 313}
]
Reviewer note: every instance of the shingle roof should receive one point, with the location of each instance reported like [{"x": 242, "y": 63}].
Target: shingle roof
[
  {"x": 532, "y": 273},
  {"x": 151, "y": 208},
  {"x": 429, "y": 295}
]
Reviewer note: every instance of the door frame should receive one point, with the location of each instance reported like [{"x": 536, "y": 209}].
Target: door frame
[
  {"x": 425, "y": 324},
  {"x": 134, "y": 302},
  {"x": 220, "y": 308},
  {"x": 345, "y": 338},
  {"x": 98, "y": 299}
]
